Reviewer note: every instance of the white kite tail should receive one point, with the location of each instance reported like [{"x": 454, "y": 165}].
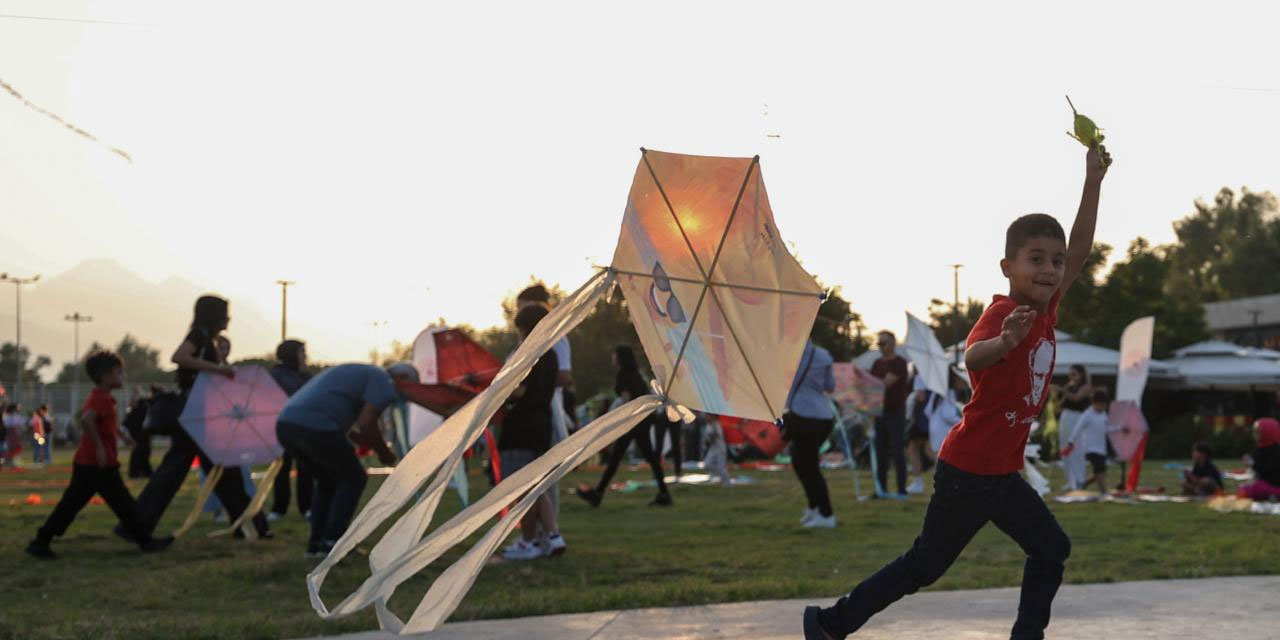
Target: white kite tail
[{"x": 441, "y": 453}]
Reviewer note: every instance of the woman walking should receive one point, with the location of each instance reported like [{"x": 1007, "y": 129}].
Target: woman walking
[
  {"x": 629, "y": 385},
  {"x": 807, "y": 424},
  {"x": 198, "y": 352}
]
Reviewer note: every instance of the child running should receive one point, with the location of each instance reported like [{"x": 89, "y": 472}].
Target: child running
[
  {"x": 95, "y": 469},
  {"x": 1090, "y": 434},
  {"x": 1009, "y": 354}
]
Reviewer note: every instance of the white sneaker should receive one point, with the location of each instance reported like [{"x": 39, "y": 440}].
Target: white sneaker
[
  {"x": 273, "y": 516},
  {"x": 556, "y": 545},
  {"x": 916, "y": 487},
  {"x": 523, "y": 551},
  {"x": 220, "y": 517},
  {"x": 809, "y": 514},
  {"x": 820, "y": 522}
]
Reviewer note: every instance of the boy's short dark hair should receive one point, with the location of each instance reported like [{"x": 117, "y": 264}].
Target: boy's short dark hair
[
  {"x": 534, "y": 293},
  {"x": 529, "y": 317},
  {"x": 1203, "y": 447},
  {"x": 100, "y": 364},
  {"x": 1100, "y": 395},
  {"x": 1032, "y": 225}
]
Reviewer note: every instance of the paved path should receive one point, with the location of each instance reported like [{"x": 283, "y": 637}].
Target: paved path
[{"x": 1165, "y": 609}]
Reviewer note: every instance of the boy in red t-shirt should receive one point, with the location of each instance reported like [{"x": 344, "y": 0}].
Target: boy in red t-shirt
[
  {"x": 1009, "y": 354},
  {"x": 95, "y": 469}
]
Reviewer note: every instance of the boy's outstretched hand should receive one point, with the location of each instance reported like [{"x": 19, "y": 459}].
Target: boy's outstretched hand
[
  {"x": 1016, "y": 326},
  {"x": 1097, "y": 160}
]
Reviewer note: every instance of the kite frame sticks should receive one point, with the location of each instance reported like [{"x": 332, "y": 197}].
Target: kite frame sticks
[{"x": 707, "y": 275}]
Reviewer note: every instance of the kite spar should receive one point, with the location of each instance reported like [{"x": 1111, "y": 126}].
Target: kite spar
[{"x": 722, "y": 310}]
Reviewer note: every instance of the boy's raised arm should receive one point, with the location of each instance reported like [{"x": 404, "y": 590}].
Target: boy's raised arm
[{"x": 1080, "y": 244}]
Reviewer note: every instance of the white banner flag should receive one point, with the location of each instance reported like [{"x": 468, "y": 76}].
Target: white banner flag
[{"x": 1135, "y": 359}]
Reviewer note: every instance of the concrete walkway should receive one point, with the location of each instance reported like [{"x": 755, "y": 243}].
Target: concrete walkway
[{"x": 1167, "y": 609}]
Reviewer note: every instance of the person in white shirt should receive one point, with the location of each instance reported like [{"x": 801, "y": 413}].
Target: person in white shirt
[
  {"x": 1090, "y": 434},
  {"x": 944, "y": 413}
]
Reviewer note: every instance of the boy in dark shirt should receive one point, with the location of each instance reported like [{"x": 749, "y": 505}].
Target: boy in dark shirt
[
  {"x": 1009, "y": 355},
  {"x": 95, "y": 469},
  {"x": 526, "y": 434},
  {"x": 1203, "y": 478}
]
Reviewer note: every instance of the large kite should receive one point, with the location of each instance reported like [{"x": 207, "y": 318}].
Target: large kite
[{"x": 723, "y": 312}]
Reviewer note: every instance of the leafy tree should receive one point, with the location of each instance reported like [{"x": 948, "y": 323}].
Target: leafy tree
[
  {"x": 1230, "y": 248},
  {"x": 1079, "y": 305},
  {"x": 1141, "y": 284},
  {"x": 11, "y": 358},
  {"x": 950, "y": 327},
  {"x": 839, "y": 329},
  {"x": 141, "y": 362}
]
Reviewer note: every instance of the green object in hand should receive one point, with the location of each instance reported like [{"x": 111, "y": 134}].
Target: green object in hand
[{"x": 1086, "y": 131}]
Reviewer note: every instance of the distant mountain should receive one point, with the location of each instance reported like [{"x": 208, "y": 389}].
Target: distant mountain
[{"x": 120, "y": 302}]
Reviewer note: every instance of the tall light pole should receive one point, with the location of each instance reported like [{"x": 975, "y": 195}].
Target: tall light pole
[
  {"x": 955, "y": 313},
  {"x": 284, "y": 308},
  {"x": 377, "y": 338},
  {"x": 76, "y": 318},
  {"x": 18, "y": 282}
]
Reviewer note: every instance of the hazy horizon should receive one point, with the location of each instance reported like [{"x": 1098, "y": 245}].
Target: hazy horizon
[{"x": 405, "y": 162}]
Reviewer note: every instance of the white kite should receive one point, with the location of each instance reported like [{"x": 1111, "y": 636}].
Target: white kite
[{"x": 723, "y": 311}]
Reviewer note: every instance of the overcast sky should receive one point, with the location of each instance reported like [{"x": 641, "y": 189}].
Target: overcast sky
[{"x": 409, "y": 160}]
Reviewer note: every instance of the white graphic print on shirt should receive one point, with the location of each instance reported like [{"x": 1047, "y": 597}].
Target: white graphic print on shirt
[{"x": 1040, "y": 361}]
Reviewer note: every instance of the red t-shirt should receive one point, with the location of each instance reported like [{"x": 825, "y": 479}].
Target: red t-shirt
[
  {"x": 103, "y": 406},
  {"x": 1007, "y": 396}
]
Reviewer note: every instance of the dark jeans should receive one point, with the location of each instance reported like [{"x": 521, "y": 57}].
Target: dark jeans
[
  {"x": 640, "y": 434},
  {"x": 168, "y": 477},
  {"x": 85, "y": 482},
  {"x": 340, "y": 478},
  {"x": 963, "y": 503},
  {"x": 306, "y": 487},
  {"x": 891, "y": 448},
  {"x": 662, "y": 425},
  {"x": 140, "y": 457},
  {"x": 806, "y": 436}
]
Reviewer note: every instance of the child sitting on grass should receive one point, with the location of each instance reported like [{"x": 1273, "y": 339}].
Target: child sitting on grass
[
  {"x": 1203, "y": 478},
  {"x": 95, "y": 469}
]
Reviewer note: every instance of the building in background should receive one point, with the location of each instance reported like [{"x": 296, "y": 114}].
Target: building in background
[{"x": 1250, "y": 322}]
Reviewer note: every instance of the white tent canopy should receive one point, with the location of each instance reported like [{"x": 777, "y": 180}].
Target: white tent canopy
[
  {"x": 1098, "y": 361},
  {"x": 1215, "y": 364}
]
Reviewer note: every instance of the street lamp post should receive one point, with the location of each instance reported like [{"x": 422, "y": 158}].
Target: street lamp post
[
  {"x": 284, "y": 308},
  {"x": 18, "y": 282},
  {"x": 955, "y": 313},
  {"x": 76, "y": 319}
]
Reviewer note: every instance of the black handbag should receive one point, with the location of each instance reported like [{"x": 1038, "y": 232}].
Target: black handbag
[{"x": 162, "y": 415}]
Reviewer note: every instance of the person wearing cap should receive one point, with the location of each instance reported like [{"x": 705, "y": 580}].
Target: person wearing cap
[{"x": 313, "y": 429}]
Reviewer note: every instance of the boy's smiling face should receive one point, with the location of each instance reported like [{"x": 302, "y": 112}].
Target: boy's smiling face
[{"x": 1036, "y": 270}]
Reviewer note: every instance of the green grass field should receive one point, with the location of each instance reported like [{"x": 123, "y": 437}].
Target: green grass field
[{"x": 715, "y": 545}]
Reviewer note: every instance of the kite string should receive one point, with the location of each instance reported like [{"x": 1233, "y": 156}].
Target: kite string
[
  {"x": 726, "y": 285},
  {"x": 57, "y": 118}
]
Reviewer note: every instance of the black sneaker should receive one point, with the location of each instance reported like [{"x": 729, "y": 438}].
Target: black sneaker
[
  {"x": 663, "y": 500},
  {"x": 317, "y": 550},
  {"x": 813, "y": 630},
  {"x": 592, "y": 496},
  {"x": 125, "y": 534},
  {"x": 155, "y": 545},
  {"x": 41, "y": 550}
]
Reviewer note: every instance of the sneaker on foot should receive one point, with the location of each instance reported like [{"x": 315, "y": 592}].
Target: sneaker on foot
[
  {"x": 663, "y": 500},
  {"x": 555, "y": 545},
  {"x": 220, "y": 517},
  {"x": 523, "y": 550},
  {"x": 813, "y": 630},
  {"x": 156, "y": 544},
  {"x": 273, "y": 516},
  {"x": 41, "y": 550},
  {"x": 820, "y": 521},
  {"x": 317, "y": 550},
  {"x": 808, "y": 515},
  {"x": 125, "y": 534},
  {"x": 916, "y": 487},
  {"x": 591, "y": 496}
]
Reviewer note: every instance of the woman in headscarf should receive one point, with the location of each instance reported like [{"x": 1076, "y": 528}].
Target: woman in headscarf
[{"x": 1265, "y": 462}]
